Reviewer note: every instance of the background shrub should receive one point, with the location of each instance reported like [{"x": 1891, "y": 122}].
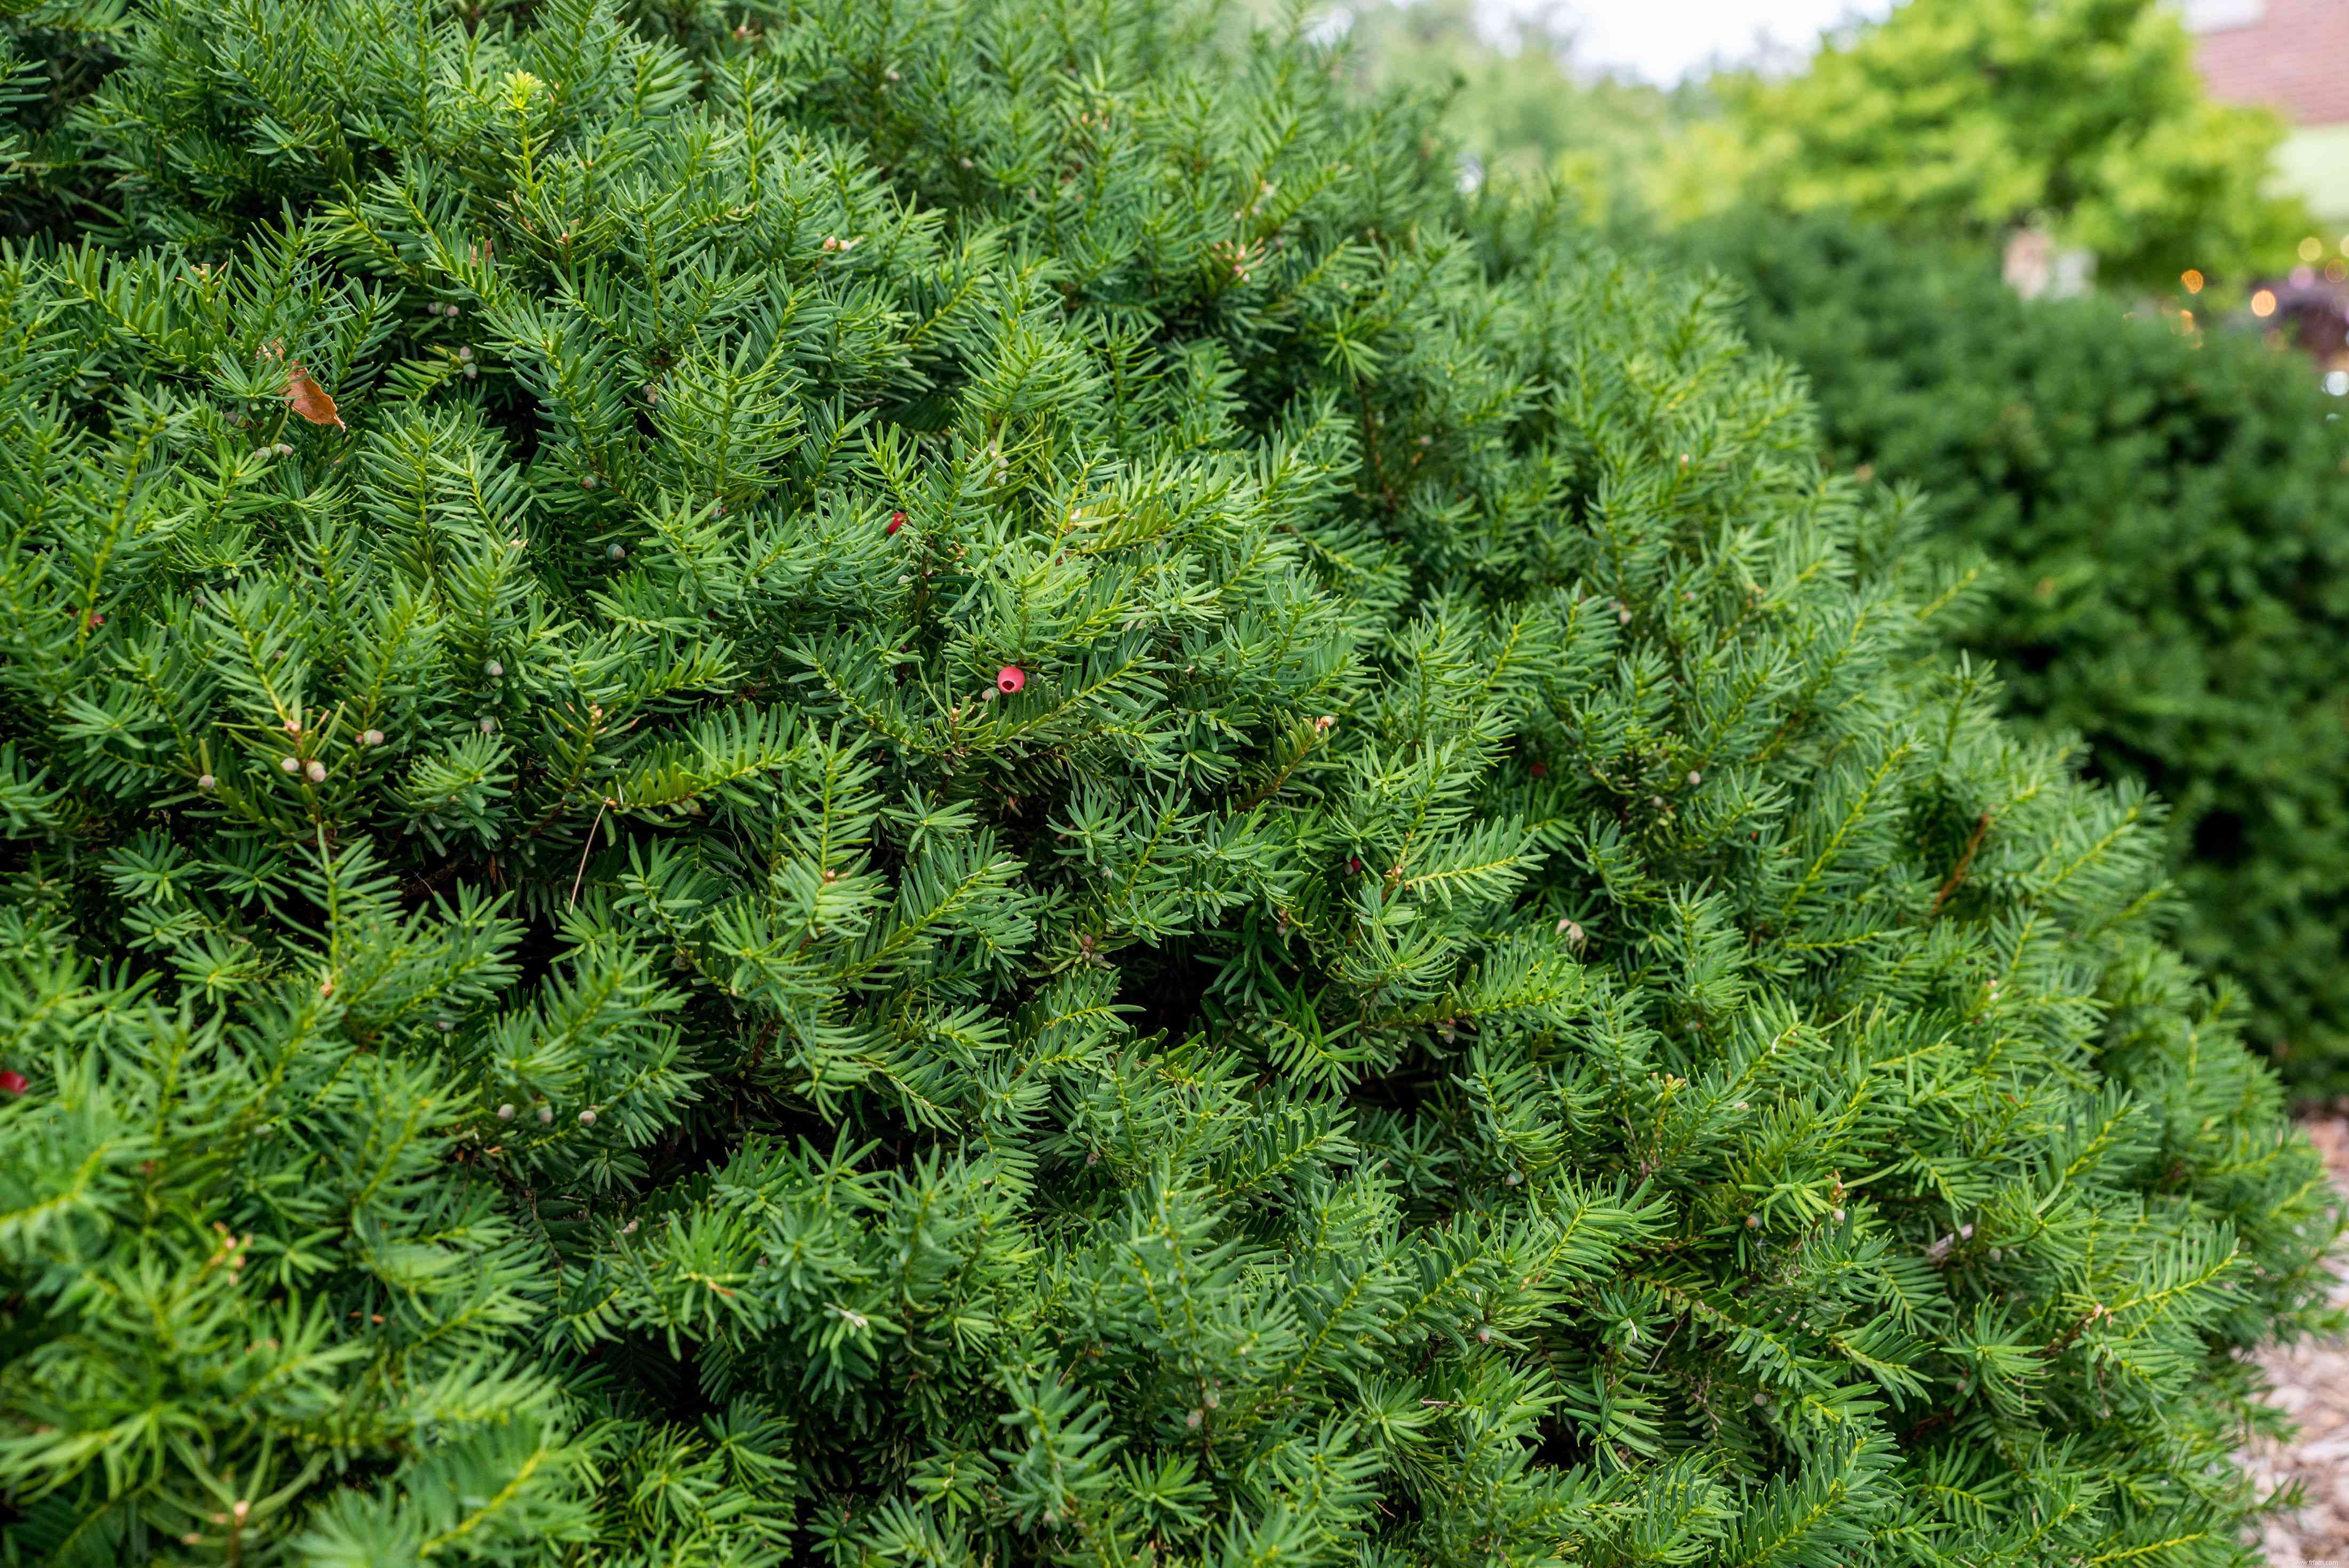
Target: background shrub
[
  {"x": 993, "y": 799},
  {"x": 2170, "y": 513}
]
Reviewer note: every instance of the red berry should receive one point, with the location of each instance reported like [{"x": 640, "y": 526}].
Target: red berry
[
  {"x": 14, "y": 1082},
  {"x": 896, "y": 520},
  {"x": 1353, "y": 864},
  {"x": 1538, "y": 768},
  {"x": 1011, "y": 678}
]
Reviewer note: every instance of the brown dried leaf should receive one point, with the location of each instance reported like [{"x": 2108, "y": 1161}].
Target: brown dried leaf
[{"x": 309, "y": 400}]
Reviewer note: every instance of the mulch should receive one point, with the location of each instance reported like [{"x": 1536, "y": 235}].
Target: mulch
[{"x": 2311, "y": 1385}]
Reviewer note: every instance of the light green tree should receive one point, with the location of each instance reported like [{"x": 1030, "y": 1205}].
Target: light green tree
[{"x": 1973, "y": 117}]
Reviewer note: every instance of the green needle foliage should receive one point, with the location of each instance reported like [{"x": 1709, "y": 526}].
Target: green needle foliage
[
  {"x": 1001, "y": 802},
  {"x": 2170, "y": 513}
]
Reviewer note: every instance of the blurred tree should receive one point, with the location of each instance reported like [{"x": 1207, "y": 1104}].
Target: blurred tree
[
  {"x": 1521, "y": 108},
  {"x": 2167, "y": 509},
  {"x": 1974, "y": 116}
]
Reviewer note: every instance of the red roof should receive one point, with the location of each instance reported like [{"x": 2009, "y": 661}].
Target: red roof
[{"x": 2294, "y": 58}]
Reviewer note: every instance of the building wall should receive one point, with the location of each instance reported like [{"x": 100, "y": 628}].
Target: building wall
[
  {"x": 2291, "y": 54},
  {"x": 2315, "y": 163}
]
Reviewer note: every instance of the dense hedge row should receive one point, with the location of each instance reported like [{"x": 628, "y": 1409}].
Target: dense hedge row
[
  {"x": 949, "y": 783},
  {"x": 2169, "y": 509}
]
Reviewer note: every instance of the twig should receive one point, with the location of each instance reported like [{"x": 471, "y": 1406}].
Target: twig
[
  {"x": 584, "y": 850},
  {"x": 1981, "y": 825}
]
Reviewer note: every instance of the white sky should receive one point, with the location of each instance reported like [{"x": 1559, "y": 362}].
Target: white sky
[{"x": 1663, "y": 39}]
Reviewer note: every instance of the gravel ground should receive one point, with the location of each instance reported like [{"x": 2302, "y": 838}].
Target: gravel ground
[{"x": 2312, "y": 1384}]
